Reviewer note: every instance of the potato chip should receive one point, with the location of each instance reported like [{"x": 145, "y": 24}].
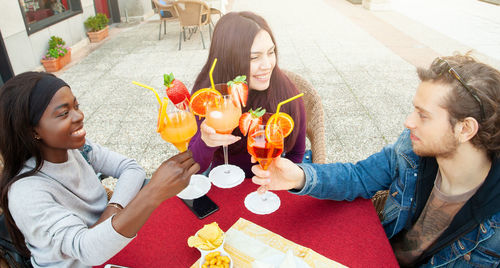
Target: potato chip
[
  {"x": 207, "y": 238},
  {"x": 195, "y": 241},
  {"x": 210, "y": 232},
  {"x": 218, "y": 241}
]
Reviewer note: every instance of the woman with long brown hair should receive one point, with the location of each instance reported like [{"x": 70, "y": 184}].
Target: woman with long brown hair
[{"x": 243, "y": 44}]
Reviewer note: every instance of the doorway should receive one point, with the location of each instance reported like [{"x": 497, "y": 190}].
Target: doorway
[
  {"x": 6, "y": 72},
  {"x": 101, "y": 6},
  {"x": 109, "y": 8}
]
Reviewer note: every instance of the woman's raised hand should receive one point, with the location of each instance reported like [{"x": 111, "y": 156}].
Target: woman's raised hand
[
  {"x": 173, "y": 175},
  {"x": 214, "y": 139},
  {"x": 282, "y": 174}
]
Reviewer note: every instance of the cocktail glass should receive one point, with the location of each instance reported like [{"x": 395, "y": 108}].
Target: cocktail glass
[
  {"x": 178, "y": 127},
  {"x": 223, "y": 115},
  {"x": 264, "y": 145}
]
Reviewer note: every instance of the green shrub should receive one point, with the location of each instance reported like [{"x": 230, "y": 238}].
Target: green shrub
[
  {"x": 97, "y": 22},
  {"x": 55, "y": 40}
]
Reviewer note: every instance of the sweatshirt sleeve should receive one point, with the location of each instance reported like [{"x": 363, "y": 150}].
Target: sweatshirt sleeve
[
  {"x": 47, "y": 224},
  {"x": 202, "y": 153},
  {"x": 128, "y": 172},
  {"x": 296, "y": 154}
]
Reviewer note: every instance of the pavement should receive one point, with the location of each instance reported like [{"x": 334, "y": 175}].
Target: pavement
[{"x": 361, "y": 62}]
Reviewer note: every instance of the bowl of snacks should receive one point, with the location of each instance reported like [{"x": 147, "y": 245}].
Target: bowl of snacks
[
  {"x": 209, "y": 240},
  {"x": 216, "y": 259}
]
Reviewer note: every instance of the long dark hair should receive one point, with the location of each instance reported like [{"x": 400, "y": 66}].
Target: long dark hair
[
  {"x": 231, "y": 43},
  {"x": 17, "y": 142}
]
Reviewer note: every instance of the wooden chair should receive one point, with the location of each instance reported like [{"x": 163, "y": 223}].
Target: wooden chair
[
  {"x": 378, "y": 201},
  {"x": 214, "y": 11},
  {"x": 314, "y": 115},
  {"x": 316, "y": 131},
  {"x": 193, "y": 15},
  {"x": 166, "y": 9}
]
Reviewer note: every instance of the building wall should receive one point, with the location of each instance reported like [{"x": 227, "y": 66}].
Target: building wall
[
  {"x": 136, "y": 9},
  {"x": 26, "y": 51}
]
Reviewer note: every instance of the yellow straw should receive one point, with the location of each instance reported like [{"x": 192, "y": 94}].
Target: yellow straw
[
  {"x": 210, "y": 74},
  {"x": 286, "y": 101},
  {"x": 150, "y": 88},
  {"x": 164, "y": 110}
]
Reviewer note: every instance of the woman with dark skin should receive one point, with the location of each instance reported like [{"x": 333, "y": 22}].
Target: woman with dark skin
[{"x": 55, "y": 207}]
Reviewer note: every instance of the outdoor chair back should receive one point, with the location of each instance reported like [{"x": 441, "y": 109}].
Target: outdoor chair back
[
  {"x": 166, "y": 12},
  {"x": 193, "y": 15},
  {"x": 314, "y": 115}
]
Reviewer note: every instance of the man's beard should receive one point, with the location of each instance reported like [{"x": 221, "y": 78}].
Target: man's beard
[{"x": 446, "y": 147}]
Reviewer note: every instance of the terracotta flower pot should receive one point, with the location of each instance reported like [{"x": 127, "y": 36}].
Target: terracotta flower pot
[
  {"x": 53, "y": 65},
  {"x": 98, "y": 36},
  {"x": 66, "y": 59}
]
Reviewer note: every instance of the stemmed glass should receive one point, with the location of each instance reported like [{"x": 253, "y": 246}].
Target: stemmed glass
[
  {"x": 223, "y": 115},
  {"x": 178, "y": 127},
  {"x": 264, "y": 145}
]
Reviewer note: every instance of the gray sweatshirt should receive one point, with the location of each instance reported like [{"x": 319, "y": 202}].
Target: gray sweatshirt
[{"x": 55, "y": 208}]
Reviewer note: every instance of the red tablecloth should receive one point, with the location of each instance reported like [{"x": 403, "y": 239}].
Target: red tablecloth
[{"x": 347, "y": 232}]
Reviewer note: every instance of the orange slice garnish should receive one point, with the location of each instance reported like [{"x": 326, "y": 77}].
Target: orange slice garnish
[
  {"x": 200, "y": 99},
  {"x": 283, "y": 120},
  {"x": 161, "y": 116}
]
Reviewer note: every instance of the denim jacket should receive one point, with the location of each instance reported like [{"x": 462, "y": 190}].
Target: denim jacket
[{"x": 473, "y": 237}]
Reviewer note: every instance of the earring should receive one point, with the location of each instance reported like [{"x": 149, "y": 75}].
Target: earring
[{"x": 37, "y": 137}]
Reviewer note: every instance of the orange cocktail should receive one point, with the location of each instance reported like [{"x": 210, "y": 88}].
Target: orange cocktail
[
  {"x": 264, "y": 143},
  {"x": 223, "y": 114},
  {"x": 263, "y": 150},
  {"x": 179, "y": 129}
]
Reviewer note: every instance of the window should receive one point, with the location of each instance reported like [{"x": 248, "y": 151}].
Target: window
[{"x": 39, "y": 14}]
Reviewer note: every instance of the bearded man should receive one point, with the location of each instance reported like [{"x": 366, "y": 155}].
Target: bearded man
[{"x": 442, "y": 174}]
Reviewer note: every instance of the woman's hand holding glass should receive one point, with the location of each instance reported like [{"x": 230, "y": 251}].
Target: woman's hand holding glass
[
  {"x": 214, "y": 139},
  {"x": 172, "y": 176}
]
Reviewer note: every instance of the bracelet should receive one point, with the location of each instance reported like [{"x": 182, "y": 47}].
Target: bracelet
[{"x": 115, "y": 205}]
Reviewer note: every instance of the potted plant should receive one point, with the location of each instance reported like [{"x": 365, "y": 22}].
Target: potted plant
[
  {"x": 57, "y": 56},
  {"x": 58, "y": 42},
  {"x": 97, "y": 26}
]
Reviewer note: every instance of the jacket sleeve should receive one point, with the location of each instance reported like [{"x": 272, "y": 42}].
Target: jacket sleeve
[
  {"x": 347, "y": 181},
  {"x": 296, "y": 154},
  {"x": 202, "y": 153},
  {"x": 130, "y": 175}
]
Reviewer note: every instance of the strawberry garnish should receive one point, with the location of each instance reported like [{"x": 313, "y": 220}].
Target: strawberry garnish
[
  {"x": 250, "y": 120},
  {"x": 238, "y": 88},
  {"x": 176, "y": 91}
]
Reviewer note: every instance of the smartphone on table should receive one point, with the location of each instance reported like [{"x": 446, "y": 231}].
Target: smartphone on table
[{"x": 201, "y": 207}]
